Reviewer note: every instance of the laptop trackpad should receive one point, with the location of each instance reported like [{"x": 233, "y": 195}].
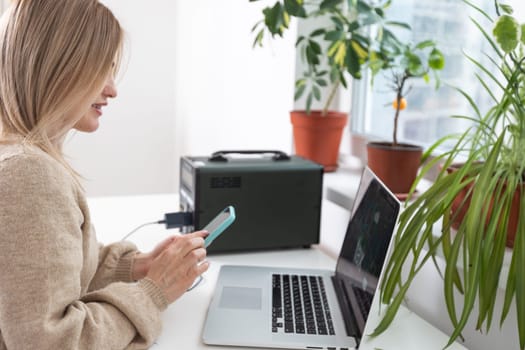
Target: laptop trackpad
[{"x": 241, "y": 298}]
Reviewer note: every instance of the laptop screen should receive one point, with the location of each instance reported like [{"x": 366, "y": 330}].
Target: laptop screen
[{"x": 367, "y": 238}]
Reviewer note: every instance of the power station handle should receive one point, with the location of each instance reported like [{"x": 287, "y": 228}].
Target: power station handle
[{"x": 219, "y": 156}]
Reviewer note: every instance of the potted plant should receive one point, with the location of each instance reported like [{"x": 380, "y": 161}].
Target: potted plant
[
  {"x": 337, "y": 46},
  {"x": 394, "y": 162},
  {"x": 491, "y": 181}
]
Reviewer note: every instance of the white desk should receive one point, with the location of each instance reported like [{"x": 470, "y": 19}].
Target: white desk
[{"x": 183, "y": 321}]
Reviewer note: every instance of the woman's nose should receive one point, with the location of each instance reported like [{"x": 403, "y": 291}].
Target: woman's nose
[{"x": 110, "y": 89}]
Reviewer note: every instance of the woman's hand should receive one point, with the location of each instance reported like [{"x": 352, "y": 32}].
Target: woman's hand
[
  {"x": 142, "y": 261},
  {"x": 178, "y": 265}
]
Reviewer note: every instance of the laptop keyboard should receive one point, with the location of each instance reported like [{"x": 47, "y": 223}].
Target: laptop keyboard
[
  {"x": 364, "y": 300},
  {"x": 299, "y": 305}
]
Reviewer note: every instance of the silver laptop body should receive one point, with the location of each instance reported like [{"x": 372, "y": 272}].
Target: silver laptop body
[{"x": 307, "y": 308}]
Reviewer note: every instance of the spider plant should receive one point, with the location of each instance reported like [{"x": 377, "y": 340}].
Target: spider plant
[{"x": 492, "y": 176}]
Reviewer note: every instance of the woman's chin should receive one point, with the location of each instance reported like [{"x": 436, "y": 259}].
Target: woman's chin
[{"x": 92, "y": 127}]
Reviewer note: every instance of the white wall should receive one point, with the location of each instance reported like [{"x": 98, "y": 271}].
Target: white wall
[
  {"x": 192, "y": 85},
  {"x": 228, "y": 95},
  {"x": 131, "y": 151}
]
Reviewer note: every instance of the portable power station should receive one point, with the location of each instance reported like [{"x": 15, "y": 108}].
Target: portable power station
[{"x": 277, "y": 198}]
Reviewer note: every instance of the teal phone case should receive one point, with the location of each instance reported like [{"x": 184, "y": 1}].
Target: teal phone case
[{"x": 220, "y": 223}]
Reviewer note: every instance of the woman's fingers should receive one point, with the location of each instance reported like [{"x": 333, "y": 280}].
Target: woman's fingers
[
  {"x": 199, "y": 269},
  {"x": 175, "y": 269},
  {"x": 192, "y": 259},
  {"x": 180, "y": 248},
  {"x": 170, "y": 240},
  {"x": 159, "y": 248}
]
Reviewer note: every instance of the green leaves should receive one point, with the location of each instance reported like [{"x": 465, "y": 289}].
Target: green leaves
[
  {"x": 310, "y": 85},
  {"x": 330, "y": 4},
  {"x": 399, "y": 24},
  {"x": 519, "y": 255},
  {"x": 353, "y": 61},
  {"x": 295, "y": 8},
  {"x": 340, "y": 45},
  {"x": 404, "y": 62},
  {"x": 413, "y": 64},
  {"x": 507, "y": 33},
  {"x": 300, "y": 86},
  {"x": 276, "y": 19},
  {"x": 506, "y": 8},
  {"x": 436, "y": 60},
  {"x": 419, "y": 59},
  {"x": 312, "y": 53},
  {"x": 492, "y": 178},
  {"x": 337, "y": 45},
  {"x": 258, "y": 38}
]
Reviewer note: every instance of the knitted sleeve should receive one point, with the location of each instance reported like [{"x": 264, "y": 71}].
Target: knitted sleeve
[
  {"x": 44, "y": 303},
  {"x": 115, "y": 262}
]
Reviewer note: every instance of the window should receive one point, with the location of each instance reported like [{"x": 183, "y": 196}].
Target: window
[{"x": 429, "y": 111}]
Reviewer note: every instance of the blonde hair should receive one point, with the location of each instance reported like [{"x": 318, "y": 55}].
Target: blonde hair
[{"x": 54, "y": 55}]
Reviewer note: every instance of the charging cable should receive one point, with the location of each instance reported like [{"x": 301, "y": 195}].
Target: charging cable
[
  {"x": 138, "y": 228},
  {"x": 171, "y": 220}
]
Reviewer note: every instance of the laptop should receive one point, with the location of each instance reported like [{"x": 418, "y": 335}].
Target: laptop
[{"x": 304, "y": 308}]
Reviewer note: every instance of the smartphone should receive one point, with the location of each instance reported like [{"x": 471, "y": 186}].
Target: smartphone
[{"x": 217, "y": 226}]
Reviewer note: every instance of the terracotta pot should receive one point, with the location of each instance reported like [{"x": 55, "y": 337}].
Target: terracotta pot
[
  {"x": 396, "y": 166},
  {"x": 317, "y": 137},
  {"x": 458, "y": 211}
]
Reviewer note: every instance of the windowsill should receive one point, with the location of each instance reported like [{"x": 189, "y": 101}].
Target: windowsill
[{"x": 341, "y": 186}]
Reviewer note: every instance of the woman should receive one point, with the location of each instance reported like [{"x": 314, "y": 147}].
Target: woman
[{"x": 58, "y": 288}]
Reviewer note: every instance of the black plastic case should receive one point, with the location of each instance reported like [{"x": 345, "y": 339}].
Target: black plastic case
[{"x": 277, "y": 198}]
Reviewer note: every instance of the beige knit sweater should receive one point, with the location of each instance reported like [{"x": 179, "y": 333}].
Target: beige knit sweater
[{"x": 60, "y": 289}]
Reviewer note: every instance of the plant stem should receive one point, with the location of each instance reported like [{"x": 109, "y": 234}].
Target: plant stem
[
  {"x": 330, "y": 97},
  {"x": 400, "y": 85}
]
